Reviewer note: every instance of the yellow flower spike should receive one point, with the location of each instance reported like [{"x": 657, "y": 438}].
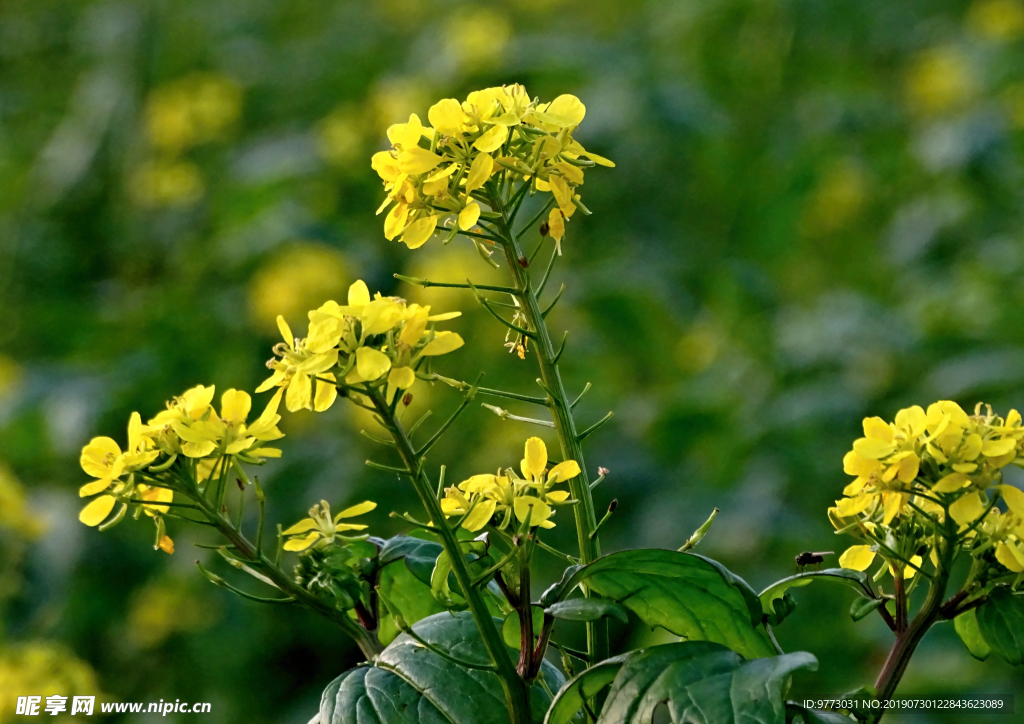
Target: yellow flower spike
[
  {"x": 97, "y": 510},
  {"x": 967, "y": 509},
  {"x": 857, "y": 558},
  {"x": 371, "y": 364},
  {"x": 235, "y": 406},
  {"x": 419, "y": 231},
  {"x": 536, "y": 509},
  {"x": 556, "y": 224},
  {"x": 492, "y": 139},
  {"x": 469, "y": 216},
  {"x": 443, "y": 343},
  {"x": 1014, "y": 498}
]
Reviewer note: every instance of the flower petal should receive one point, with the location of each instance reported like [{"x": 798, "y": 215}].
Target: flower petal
[
  {"x": 857, "y": 558},
  {"x": 365, "y": 507},
  {"x": 372, "y": 364},
  {"x": 97, "y": 511}
]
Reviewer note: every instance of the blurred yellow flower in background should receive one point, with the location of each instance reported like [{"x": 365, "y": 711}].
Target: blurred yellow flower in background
[
  {"x": 167, "y": 182},
  {"x": 837, "y": 199},
  {"x": 15, "y": 514},
  {"x": 939, "y": 80},
  {"x": 164, "y": 607},
  {"x": 477, "y": 37},
  {"x": 340, "y": 136},
  {"x": 191, "y": 110},
  {"x": 295, "y": 280},
  {"x": 41, "y": 668},
  {"x": 1000, "y": 20}
]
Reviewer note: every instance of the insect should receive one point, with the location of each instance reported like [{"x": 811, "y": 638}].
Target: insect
[{"x": 811, "y": 558}]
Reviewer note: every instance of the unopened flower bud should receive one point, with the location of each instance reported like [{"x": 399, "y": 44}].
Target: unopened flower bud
[
  {"x": 544, "y": 229},
  {"x": 407, "y": 399},
  {"x": 603, "y": 471},
  {"x": 613, "y": 505}
]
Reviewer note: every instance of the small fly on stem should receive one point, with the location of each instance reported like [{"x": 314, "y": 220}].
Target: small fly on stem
[{"x": 811, "y": 558}]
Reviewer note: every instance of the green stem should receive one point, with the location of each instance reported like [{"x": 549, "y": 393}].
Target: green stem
[
  {"x": 366, "y": 640},
  {"x": 561, "y": 413},
  {"x": 908, "y": 638},
  {"x": 516, "y": 691}
]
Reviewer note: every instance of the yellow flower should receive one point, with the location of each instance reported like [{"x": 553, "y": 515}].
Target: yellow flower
[
  {"x": 102, "y": 458},
  {"x": 319, "y": 526},
  {"x": 529, "y": 499},
  {"x": 228, "y": 434},
  {"x": 300, "y": 361},
  {"x": 431, "y": 174}
]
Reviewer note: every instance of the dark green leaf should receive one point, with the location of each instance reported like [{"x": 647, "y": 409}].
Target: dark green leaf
[
  {"x": 862, "y": 607},
  {"x": 420, "y": 555},
  {"x": 858, "y": 580},
  {"x": 689, "y": 595},
  {"x": 404, "y": 591},
  {"x": 586, "y": 609},
  {"x": 966, "y": 625},
  {"x": 781, "y": 609},
  {"x": 799, "y": 715},
  {"x": 1001, "y": 622},
  {"x": 511, "y": 631},
  {"x": 702, "y": 683},
  {"x": 569, "y": 701},
  {"x": 411, "y": 684},
  {"x": 558, "y": 591}
]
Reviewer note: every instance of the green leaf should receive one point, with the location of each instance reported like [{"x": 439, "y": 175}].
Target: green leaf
[
  {"x": 797, "y": 713},
  {"x": 1001, "y": 622},
  {"x": 586, "y": 609},
  {"x": 511, "y": 631},
  {"x": 561, "y": 589},
  {"x": 781, "y": 609},
  {"x": 569, "y": 701},
  {"x": 966, "y": 625},
  {"x": 419, "y": 555},
  {"x": 702, "y": 683},
  {"x": 404, "y": 591},
  {"x": 689, "y": 595},
  {"x": 411, "y": 684},
  {"x": 862, "y": 607},
  {"x": 858, "y": 580}
]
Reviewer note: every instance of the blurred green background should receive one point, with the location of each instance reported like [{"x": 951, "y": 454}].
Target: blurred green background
[{"x": 816, "y": 216}]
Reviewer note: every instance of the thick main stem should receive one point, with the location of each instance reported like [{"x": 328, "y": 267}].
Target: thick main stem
[
  {"x": 910, "y": 636},
  {"x": 516, "y": 690},
  {"x": 561, "y": 413}
]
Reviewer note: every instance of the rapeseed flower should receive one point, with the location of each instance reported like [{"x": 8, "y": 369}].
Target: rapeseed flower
[
  {"x": 437, "y": 176},
  {"x": 321, "y": 528}
]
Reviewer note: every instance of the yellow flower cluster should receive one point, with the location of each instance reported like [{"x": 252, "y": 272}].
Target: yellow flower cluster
[
  {"x": 320, "y": 527},
  {"x": 189, "y": 427},
  {"x": 501, "y": 497},
  {"x": 433, "y": 173},
  {"x": 366, "y": 342},
  {"x": 930, "y": 462}
]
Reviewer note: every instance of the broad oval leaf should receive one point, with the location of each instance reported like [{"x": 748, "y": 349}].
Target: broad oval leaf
[
  {"x": 419, "y": 555},
  {"x": 586, "y": 609},
  {"x": 1001, "y": 622},
  {"x": 410, "y": 684},
  {"x": 702, "y": 683},
  {"x": 862, "y": 607},
  {"x": 568, "y": 702},
  {"x": 689, "y": 595},
  {"x": 401, "y": 589},
  {"x": 966, "y": 625}
]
